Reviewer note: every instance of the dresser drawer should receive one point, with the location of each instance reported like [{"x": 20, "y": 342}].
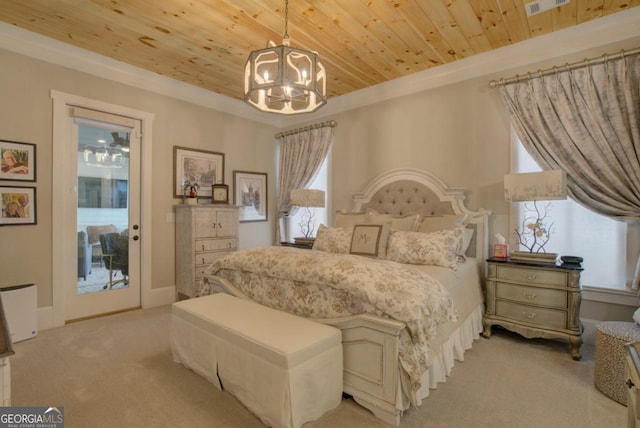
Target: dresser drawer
[
  {"x": 531, "y": 276},
  {"x": 215, "y": 244},
  {"x": 532, "y": 295},
  {"x": 200, "y": 268},
  {"x": 549, "y": 318},
  {"x": 205, "y": 259}
]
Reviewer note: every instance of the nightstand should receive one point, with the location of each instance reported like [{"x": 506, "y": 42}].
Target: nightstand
[
  {"x": 303, "y": 245},
  {"x": 534, "y": 300}
]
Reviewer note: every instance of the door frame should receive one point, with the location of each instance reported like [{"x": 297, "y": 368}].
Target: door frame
[{"x": 60, "y": 156}]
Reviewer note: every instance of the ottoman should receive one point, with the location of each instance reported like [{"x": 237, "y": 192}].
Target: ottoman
[
  {"x": 611, "y": 351},
  {"x": 285, "y": 369}
]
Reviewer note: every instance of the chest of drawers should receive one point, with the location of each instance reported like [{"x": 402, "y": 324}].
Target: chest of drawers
[
  {"x": 204, "y": 233},
  {"x": 632, "y": 372},
  {"x": 534, "y": 300}
]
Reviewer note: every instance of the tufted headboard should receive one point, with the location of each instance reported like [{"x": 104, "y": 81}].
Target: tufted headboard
[{"x": 406, "y": 191}]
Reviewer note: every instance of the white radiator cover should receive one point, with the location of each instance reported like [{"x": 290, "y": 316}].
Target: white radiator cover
[{"x": 21, "y": 312}]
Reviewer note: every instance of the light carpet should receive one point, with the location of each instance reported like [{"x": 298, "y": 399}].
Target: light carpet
[{"x": 117, "y": 371}]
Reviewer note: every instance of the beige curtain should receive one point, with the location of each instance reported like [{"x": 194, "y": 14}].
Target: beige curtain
[
  {"x": 586, "y": 122},
  {"x": 301, "y": 155}
]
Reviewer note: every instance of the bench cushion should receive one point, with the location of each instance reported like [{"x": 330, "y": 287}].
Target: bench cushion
[{"x": 286, "y": 369}]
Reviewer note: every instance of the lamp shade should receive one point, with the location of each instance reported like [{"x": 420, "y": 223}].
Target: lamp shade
[
  {"x": 307, "y": 197},
  {"x": 535, "y": 186}
]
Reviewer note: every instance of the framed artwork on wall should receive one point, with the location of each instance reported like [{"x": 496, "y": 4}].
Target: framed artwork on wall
[
  {"x": 18, "y": 205},
  {"x": 250, "y": 194},
  {"x": 18, "y": 161},
  {"x": 198, "y": 169}
]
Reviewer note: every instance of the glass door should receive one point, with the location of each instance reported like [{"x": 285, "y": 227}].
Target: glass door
[{"x": 106, "y": 153}]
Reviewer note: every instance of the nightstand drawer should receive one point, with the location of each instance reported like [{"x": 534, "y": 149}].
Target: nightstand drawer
[
  {"x": 531, "y": 276},
  {"x": 532, "y": 295},
  {"x": 549, "y": 318}
]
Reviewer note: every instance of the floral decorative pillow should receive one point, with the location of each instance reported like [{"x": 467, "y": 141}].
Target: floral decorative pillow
[
  {"x": 370, "y": 240},
  {"x": 333, "y": 239},
  {"x": 436, "y": 248},
  {"x": 407, "y": 223}
]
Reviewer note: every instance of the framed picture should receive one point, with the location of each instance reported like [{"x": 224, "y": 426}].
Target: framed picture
[
  {"x": 198, "y": 169},
  {"x": 250, "y": 194},
  {"x": 18, "y": 205},
  {"x": 18, "y": 161}
]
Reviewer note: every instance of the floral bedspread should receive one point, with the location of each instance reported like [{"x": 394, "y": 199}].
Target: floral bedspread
[{"x": 318, "y": 284}]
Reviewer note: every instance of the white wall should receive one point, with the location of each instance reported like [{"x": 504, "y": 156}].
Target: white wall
[{"x": 26, "y": 111}]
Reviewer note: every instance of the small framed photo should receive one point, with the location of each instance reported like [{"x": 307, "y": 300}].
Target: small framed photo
[
  {"x": 18, "y": 161},
  {"x": 18, "y": 205},
  {"x": 250, "y": 194},
  {"x": 198, "y": 169}
]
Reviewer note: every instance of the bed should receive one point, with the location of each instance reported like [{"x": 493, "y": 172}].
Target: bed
[{"x": 391, "y": 360}]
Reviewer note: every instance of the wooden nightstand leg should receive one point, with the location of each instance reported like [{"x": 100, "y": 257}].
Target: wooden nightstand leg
[
  {"x": 576, "y": 342},
  {"x": 486, "y": 331}
]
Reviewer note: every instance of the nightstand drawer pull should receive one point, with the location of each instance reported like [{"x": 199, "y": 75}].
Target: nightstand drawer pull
[
  {"x": 529, "y": 315},
  {"x": 530, "y": 296},
  {"x": 530, "y": 276}
]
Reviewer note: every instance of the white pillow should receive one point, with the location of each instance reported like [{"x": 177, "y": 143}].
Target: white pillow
[
  {"x": 407, "y": 223},
  {"x": 436, "y": 248},
  {"x": 333, "y": 239},
  {"x": 439, "y": 222},
  {"x": 349, "y": 219},
  {"x": 370, "y": 240}
]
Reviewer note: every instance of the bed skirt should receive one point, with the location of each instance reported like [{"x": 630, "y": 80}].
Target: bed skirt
[{"x": 449, "y": 352}]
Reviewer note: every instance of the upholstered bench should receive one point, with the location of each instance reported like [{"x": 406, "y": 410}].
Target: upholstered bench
[{"x": 285, "y": 369}]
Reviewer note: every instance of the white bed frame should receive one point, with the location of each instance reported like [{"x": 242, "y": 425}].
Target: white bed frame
[{"x": 371, "y": 343}]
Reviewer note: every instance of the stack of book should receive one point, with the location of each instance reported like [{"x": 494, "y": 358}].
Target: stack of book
[{"x": 534, "y": 257}]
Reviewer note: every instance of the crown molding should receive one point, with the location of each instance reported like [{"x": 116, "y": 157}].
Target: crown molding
[{"x": 618, "y": 27}]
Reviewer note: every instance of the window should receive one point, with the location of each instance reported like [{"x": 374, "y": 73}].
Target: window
[
  {"x": 609, "y": 247},
  {"x": 319, "y": 214}
]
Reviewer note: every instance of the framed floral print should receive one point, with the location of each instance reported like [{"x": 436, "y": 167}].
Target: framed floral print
[
  {"x": 17, "y": 161},
  {"x": 250, "y": 193},
  {"x": 197, "y": 169},
  {"x": 18, "y": 205}
]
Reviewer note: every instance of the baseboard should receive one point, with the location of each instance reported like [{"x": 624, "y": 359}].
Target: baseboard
[
  {"x": 589, "y": 333},
  {"x": 150, "y": 299}
]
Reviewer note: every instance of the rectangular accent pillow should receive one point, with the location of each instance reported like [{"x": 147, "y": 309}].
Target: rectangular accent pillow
[
  {"x": 439, "y": 222},
  {"x": 349, "y": 219},
  {"x": 333, "y": 239},
  {"x": 407, "y": 223},
  {"x": 370, "y": 240},
  {"x": 436, "y": 248}
]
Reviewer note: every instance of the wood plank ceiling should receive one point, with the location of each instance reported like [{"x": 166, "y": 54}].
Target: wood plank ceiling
[{"x": 361, "y": 42}]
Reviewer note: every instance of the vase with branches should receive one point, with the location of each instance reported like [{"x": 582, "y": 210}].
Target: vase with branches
[
  {"x": 307, "y": 224},
  {"x": 535, "y": 229}
]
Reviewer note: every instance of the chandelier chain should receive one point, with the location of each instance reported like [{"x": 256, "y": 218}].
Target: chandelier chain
[{"x": 286, "y": 19}]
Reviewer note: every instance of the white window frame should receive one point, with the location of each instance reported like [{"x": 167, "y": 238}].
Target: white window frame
[
  {"x": 620, "y": 292},
  {"x": 321, "y": 182}
]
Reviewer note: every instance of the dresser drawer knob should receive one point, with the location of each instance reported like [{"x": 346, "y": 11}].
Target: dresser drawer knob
[
  {"x": 530, "y": 296},
  {"x": 529, "y": 315},
  {"x": 530, "y": 276},
  {"x": 630, "y": 384}
]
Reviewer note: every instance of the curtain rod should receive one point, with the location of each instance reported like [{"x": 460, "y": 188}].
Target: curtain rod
[
  {"x": 331, "y": 123},
  {"x": 584, "y": 63}
]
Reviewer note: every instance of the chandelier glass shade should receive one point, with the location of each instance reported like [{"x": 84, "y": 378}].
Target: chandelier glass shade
[{"x": 285, "y": 80}]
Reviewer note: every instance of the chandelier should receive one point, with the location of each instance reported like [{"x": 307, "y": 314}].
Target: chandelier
[{"x": 285, "y": 80}]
